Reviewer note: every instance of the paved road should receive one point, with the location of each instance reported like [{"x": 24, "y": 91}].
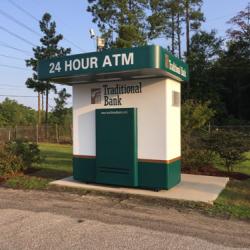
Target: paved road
[{"x": 53, "y": 220}]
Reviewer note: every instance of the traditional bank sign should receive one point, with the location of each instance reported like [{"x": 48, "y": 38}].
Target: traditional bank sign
[
  {"x": 115, "y": 64},
  {"x": 112, "y": 95},
  {"x": 126, "y": 115}
]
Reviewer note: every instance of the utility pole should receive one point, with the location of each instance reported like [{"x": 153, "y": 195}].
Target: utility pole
[{"x": 38, "y": 107}]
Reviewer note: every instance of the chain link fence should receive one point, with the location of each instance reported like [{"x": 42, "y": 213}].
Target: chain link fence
[
  {"x": 243, "y": 129},
  {"x": 38, "y": 133}
]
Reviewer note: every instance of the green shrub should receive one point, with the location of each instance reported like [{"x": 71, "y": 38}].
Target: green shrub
[
  {"x": 196, "y": 158},
  {"x": 10, "y": 163},
  {"x": 27, "y": 151},
  {"x": 230, "y": 146},
  {"x": 195, "y": 116}
]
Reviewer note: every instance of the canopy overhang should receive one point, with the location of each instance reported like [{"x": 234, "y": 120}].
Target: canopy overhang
[{"x": 113, "y": 65}]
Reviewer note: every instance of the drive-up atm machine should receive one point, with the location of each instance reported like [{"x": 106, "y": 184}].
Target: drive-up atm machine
[{"x": 126, "y": 115}]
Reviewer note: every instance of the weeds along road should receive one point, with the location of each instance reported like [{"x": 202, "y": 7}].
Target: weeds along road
[{"x": 57, "y": 220}]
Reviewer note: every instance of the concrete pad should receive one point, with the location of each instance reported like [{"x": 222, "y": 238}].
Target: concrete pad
[{"x": 197, "y": 188}]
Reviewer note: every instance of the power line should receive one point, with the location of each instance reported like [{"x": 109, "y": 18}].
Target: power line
[
  {"x": 17, "y": 36},
  {"x": 28, "y": 96},
  {"x": 23, "y": 10},
  {"x": 19, "y": 23},
  {"x": 9, "y": 85},
  {"x": 36, "y": 19},
  {"x": 12, "y": 67},
  {"x": 12, "y": 57},
  {"x": 72, "y": 43},
  {"x": 14, "y": 48}
]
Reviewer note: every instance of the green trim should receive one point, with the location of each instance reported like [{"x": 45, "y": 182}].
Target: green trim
[
  {"x": 150, "y": 175},
  {"x": 84, "y": 169},
  {"x": 159, "y": 175}
]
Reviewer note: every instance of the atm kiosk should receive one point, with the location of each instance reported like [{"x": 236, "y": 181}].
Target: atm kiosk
[{"x": 126, "y": 115}]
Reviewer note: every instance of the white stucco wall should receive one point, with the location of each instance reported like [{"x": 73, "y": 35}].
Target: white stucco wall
[
  {"x": 173, "y": 133},
  {"x": 158, "y": 122}
]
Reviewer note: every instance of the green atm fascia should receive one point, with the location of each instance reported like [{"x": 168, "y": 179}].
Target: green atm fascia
[{"x": 116, "y": 147}]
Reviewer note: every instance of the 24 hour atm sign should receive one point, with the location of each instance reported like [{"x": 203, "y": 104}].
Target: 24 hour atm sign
[
  {"x": 91, "y": 63},
  {"x": 94, "y": 64},
  {"x": 84, "y": 64}
]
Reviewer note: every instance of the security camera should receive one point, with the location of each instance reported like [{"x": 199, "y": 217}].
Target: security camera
[{"x": 92, "y": 33}]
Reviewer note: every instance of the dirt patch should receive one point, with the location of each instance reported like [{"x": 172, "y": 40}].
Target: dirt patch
[
  {"x": 2, "y": 179},
  {"x": 212, "y": 171}
]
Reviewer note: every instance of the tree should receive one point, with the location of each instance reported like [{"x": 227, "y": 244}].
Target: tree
[
  {"x": 193, "y": 18},
  {"x": 60, "y": 111},
  {"x": 230, "y": 146},
  {"x": 195, "y": 117},
  {"x": 234, "y": 67},
  {"x": 122, "y": 20},
  {"x": 49, "y": 48},
  {"x": 242, "y": 24},
  {"x": 165, "y": 20},
  {"x": 13, "y": 114},
  {"x": 205, "y": 49}
]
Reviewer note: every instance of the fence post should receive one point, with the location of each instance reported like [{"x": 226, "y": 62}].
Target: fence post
[
  {"x": 57, "y": 134},
  {"x": 15, "y": 132},
  {"x": 71, "y": 133},
  {"x": 9, "y": 135},
  {"x": 37, "y": 133}
]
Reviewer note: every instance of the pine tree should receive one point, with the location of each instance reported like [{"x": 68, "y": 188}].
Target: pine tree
[
  {"x": 193, "y": 18},
  {"x": 49, "y": 48},
  {"x": 60, "y": 111},
  {"x": 165, "y": 20},
  {"x": 122, "y": 23}
]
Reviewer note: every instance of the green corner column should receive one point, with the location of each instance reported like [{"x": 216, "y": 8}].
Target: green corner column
[
  {"x": 159, "y": 175},
  {"x": 84, "y": 169}
]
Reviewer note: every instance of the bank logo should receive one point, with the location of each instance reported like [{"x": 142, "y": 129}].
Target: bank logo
[
  {"x": 96, "y": 96},
  {"x": 167, "y": 63}
]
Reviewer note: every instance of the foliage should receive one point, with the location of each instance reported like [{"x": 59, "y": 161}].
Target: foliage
[
  {"x": 13, "y": 114},
  {"x": 167, "y": 17},
  {"x": 122, "y": 20},
  {"x": 230, "y": 146},
  {"x": 27, "y": 182},
  {"x": 165, "y": 21},
  {"x": 27, "y": 151},
  {"x": 234, "y": 201},
  {"x": 234, "y": 67},
  {"x": 49, "y": 48},
  {"x": 195, "y": 116},
  {"x": 10, "y": 163},
  {"x": 60, "y": 112},
  {"x": 57, "y": 164},
  {"x": 205, "y": 49},
  {"x": 241, "y": 21},
  {"x": 220, "y": 72}
]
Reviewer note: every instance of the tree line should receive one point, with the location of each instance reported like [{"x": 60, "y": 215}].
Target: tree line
[
  {"x": 14, "y": 114},
  {"x": 219, "y": 67}
]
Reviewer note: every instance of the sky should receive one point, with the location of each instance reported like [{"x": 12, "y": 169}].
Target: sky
[{"x": 74, "y": 22}]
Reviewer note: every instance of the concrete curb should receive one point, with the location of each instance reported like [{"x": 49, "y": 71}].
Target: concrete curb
[{"x": 193, "y": 188}]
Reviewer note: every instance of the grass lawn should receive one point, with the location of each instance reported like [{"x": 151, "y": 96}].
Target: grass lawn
[
  {"x": 235, "y": 198},
  {"x": 57, "y": 165},
  {"x": 233, "y": 201},
  {"x": 244, "y": 167}
]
